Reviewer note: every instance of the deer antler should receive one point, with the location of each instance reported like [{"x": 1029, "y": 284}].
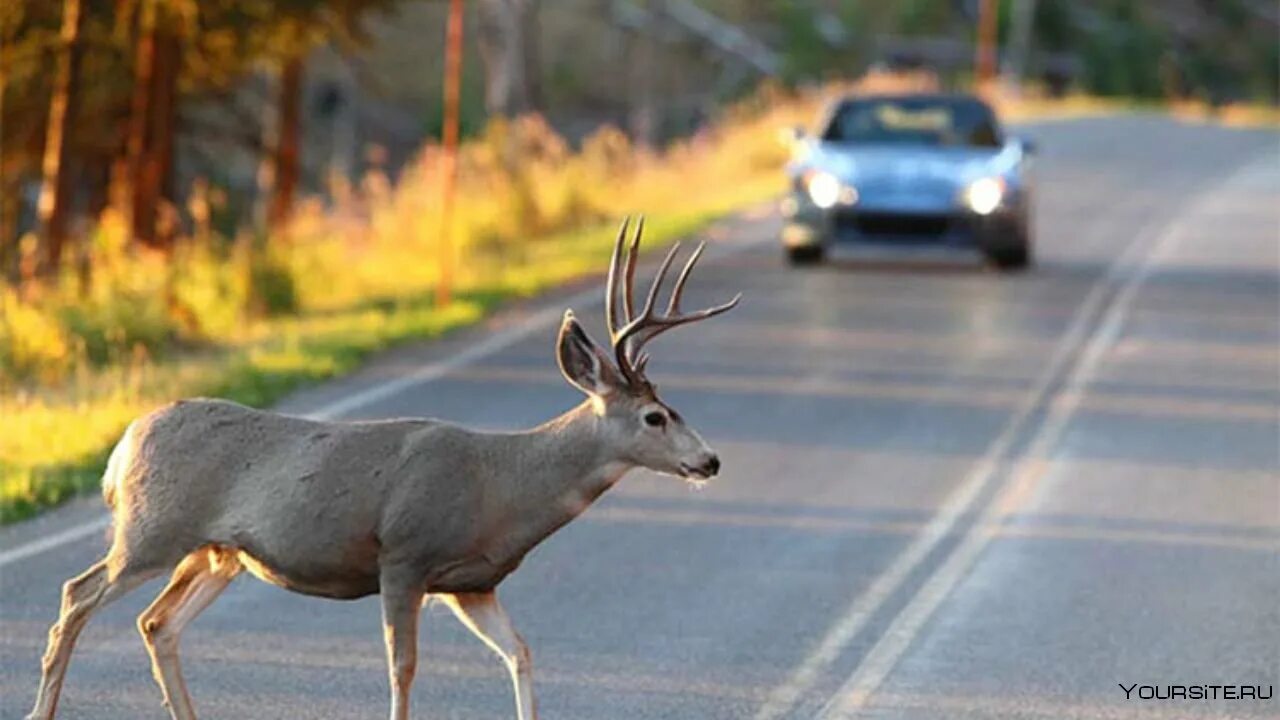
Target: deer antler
[{"x": 629, "y": 332}]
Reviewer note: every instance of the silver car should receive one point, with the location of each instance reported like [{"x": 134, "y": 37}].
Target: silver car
[{"x": 910, "y": 169}]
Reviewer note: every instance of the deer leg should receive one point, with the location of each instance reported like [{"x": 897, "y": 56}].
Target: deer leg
[
  {"x": 484, "y": 616},
  {"x": 196, "y": 582},
  {"x": 401, "y": 605},
  {"x": 81, "y": 597}
]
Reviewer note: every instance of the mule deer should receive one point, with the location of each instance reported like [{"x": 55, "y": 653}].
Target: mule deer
[{"x": 411, "y": 509}]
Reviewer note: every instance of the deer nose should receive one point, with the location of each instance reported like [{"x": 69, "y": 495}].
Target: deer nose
[{"x": 712, "y": 466}]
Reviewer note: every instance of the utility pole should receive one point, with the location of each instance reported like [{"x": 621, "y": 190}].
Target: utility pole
[
  {"x": 985, "y": 58},
  {"x": 452, "y": 94}
]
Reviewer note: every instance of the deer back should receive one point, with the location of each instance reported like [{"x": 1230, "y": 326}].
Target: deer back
[{"x": 313, "y": 503}]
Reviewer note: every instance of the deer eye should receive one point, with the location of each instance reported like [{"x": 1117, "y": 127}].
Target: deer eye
[{"x": 655, "y": 419}]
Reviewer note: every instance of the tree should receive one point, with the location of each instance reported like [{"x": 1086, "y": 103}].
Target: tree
[
  {"x": 508, "y": 39},
  {"x": 11, "y": 22},
  {"x": 87, "y": 86},
  {"x": 288, "y": 141},
  {"x": 288, "y": 37},
  {"x": 152, "y": 125},
  {"x": 56, "y": 182}
]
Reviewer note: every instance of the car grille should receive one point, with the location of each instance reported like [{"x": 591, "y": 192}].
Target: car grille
[{"x": 881, "y": 223}]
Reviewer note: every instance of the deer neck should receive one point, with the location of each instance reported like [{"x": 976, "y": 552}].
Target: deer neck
[{"x": 562, "y": 467}]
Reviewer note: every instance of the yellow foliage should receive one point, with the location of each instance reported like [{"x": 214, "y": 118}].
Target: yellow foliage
[
  {"x": 247, "y": 317},
  {"x": 32, "y": 342}
]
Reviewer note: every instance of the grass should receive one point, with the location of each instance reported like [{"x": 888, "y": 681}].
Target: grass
[
  {"x": 54, "y": 442},
  {"x": 54, "y": 449},
  {"x": 251, "y": 320}
]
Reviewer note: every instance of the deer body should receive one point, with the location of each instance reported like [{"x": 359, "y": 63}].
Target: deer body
[
  {"x": 413, "y": 510},
  {"x": 320, "y": 507}
]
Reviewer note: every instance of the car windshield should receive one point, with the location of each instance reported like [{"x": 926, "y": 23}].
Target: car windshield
[{"x": 958, "y": 122}]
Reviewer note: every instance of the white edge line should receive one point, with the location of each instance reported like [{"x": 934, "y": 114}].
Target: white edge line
[
  {"x": 71, "y": 534},
  {"x": 959, "y": 502},
  {"x": 435, "y": 370},
  {"x": 881, "y": 659},
  {"x": 430, "y": 372},
  {"x": 783, "y": 699}
]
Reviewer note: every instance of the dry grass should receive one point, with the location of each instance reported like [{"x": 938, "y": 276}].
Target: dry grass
[{"x": 250, "y": 320}]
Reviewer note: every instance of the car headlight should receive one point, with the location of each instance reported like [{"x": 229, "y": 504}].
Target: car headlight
[
  {"x": 983, "y": 196},
  {"x": 823, "y": 188}
]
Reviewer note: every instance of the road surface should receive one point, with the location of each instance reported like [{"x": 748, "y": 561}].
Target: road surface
[{"x": 946, "y": 493}]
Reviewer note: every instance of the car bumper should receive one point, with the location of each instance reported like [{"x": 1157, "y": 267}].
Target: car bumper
[{"x": 805, "y": 225}]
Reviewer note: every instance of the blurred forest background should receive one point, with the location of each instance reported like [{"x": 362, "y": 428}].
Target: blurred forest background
[{"x": 233, "y": 196}]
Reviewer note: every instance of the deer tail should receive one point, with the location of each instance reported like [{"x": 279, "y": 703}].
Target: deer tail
[{"x": 116, "y": 466}]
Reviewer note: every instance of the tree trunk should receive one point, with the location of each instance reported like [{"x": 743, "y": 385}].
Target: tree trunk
[
  {"x": 288, "y": 131},
  {"x": 8, "y": 195},
  {"x": 507, "y": 36},
  {"x": 155, "y": 184},
  {"x": 136, "y": 142},
  {"x": 152, "y": 128},
  {"x": 56, "y": 186},
  {"x": 164, "y": 120}
]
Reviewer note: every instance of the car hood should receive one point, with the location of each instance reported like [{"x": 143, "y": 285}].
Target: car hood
[
  {"x": 905, "y": 164},
  {"x": 925, "y": 179}
]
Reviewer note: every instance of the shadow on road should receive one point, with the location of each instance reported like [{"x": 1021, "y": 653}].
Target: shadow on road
[{"x": 906, "y": 266}]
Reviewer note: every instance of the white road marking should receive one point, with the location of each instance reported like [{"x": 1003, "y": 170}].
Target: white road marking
[
  {"x": 880, "y": 660},
  {"x": 961, "y": 500},
  {"x": 431, "y": 372},
  {"x": 957, "y": 504},
  {"x": 71, "y": 534}
]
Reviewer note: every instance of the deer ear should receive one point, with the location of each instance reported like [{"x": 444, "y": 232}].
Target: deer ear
[{"x": 582, "y": 362}]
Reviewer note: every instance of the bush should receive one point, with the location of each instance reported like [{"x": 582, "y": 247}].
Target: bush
[
  {"x": 273, "y": 291},
  {"x": 113, "y": 328},
  {"x": 33, "y": 342},
  {"x": 209, "y": 292}
]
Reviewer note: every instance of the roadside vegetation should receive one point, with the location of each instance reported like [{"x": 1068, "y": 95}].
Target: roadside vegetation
[{"x": 123, "y": 329}]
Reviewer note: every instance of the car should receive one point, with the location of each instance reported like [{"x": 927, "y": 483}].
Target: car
[{"x": 910, "y": 169}]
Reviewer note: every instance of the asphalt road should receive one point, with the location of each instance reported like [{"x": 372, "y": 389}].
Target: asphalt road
[{"x": 947, "y": 493}]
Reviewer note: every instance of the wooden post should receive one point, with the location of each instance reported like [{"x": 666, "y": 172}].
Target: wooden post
[{"x": 452, "y": 94}]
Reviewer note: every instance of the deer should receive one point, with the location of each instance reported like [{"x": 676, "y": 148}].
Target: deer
[{"x": 413, "y": 510}]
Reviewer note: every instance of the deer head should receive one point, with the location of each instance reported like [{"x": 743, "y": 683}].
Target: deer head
[{"x": 637, "y": 424}]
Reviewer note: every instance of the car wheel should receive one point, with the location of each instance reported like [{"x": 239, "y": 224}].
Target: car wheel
[
  {"x": 1013, "y": 254},
  {"x": 808, "y": 255}
]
